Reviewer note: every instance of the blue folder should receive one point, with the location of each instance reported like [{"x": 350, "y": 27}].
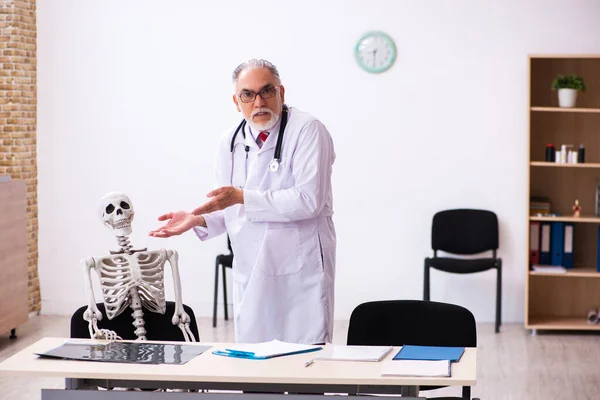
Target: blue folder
[
  {"x": 558, "y": 242},
  {"x": 598, "y": 251},
  {"x": 409, "y": 352}
]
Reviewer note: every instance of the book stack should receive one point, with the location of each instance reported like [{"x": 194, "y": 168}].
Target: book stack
[
  {"x": 540, "y": 205},
  {"x": 432, "y": 361}
]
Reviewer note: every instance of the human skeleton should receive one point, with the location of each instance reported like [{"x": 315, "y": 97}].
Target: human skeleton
[{"x": 130, "y": 277}]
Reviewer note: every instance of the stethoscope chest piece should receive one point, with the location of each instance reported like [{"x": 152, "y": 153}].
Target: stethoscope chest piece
[{"x": 274, "y": 166}]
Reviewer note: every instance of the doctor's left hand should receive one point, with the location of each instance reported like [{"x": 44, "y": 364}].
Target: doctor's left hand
[{"x": 221, "y": 198}]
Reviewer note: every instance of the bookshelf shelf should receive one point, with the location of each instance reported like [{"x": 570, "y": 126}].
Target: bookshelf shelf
[
  {"x": 583, "y": 219},
  {"x": 561, "y": 323},
  {"x": 561, "y": 301},
  {"x": 577, "y": 272},
  {"x": 567, "y": 110},
  {"x": 556, "y": 165}
]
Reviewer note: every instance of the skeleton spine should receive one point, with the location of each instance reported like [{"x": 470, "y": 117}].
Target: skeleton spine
[
  {"x": 124, "y": 243},
  {"x": 137, "y": 314}
]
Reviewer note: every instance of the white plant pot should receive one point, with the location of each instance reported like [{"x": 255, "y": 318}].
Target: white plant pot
[{"x": 567, "y": 97}]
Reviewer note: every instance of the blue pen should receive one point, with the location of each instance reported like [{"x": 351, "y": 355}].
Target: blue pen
[
  {"x": 236, "y": 355},
  {"x": 250, "y": 353}
]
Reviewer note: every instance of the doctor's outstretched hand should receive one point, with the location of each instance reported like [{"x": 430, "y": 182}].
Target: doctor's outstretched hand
[
  {"x": 221, "y": 198},
  {"x": 177, "y": 223}
]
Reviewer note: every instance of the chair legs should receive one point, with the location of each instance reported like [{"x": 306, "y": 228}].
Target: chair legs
[
  {"x": 426, "y": 291},
  {"x": 466, "y": 392},
  {"x": 216, "y": 294},
  {"x": 426, "y": 281},
  {"x": 499, "y": 296},
  {"x": 225, "y": 293},
  {"x": 223, "y": 267}
]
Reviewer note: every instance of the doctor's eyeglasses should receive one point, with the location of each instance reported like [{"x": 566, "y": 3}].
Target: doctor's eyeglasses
[{"x": 248, "y": 97}]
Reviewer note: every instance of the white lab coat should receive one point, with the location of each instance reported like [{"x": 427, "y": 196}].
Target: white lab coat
[{"x": 283, "y": 237}]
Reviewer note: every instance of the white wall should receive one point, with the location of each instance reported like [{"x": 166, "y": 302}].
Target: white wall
[{"x": 134, "y": 95}]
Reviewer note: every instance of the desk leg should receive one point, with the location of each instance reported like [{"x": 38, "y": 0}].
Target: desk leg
[
  {"x": 74, "y": 384},
  {"x": 409, "y": 391},
  {"x": 71, "y": 383}
]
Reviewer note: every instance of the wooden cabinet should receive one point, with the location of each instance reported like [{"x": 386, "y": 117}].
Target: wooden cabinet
[
  {"x": 14, "y": 308},
  {"x": 561, "y": 301}
]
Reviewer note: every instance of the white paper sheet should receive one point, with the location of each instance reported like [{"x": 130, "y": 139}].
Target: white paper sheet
[
  {"x": 416, "y": 368},
  {"x": 354, "y": 353}
]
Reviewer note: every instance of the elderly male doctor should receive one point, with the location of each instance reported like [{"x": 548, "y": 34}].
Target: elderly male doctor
[{"x": 277, "y": 214}]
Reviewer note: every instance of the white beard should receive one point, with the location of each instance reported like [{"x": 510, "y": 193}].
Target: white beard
[{"x": 265, "y": 126}]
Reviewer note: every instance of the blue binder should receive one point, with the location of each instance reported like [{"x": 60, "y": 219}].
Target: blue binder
[
  {"x": 411, "y": 352},
  {"x": 598, "y": 251},
  {"x": 545, "y": 254},
  {"x": 557, "y": 238},
  {"x": 568, "y": 245}
]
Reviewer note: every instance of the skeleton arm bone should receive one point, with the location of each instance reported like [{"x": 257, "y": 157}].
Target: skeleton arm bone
[
  {"x": 92, "y": 311},
  {"x": 180, "y": 318}
]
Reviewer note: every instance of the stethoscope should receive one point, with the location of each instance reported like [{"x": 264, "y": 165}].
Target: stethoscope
[{"x": 274, "y": 164}]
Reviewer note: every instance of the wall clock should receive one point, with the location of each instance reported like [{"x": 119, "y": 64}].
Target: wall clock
[{"x": 375, "y": 52}]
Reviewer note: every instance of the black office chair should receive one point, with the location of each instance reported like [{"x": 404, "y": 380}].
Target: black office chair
[
  {"x": 224, "y": 261},
  {"x": 158, "y": 326},
  {"x": 465, "y": 232},
  {"x": 413, "y": 322}
]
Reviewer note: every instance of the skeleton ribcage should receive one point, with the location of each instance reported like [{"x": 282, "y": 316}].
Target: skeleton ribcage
[{"x": 142, "y": 271}]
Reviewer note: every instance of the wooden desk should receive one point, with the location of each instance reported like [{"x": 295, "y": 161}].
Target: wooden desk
[{"x": 212, "y": 372}]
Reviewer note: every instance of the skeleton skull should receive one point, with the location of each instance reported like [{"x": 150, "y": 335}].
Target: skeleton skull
[{"x": 116, "y": 211}]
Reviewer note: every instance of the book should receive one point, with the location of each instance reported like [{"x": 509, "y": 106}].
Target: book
[
  {"x": 550, "y": 269},
  {"x": 265, "y": 350},
  {"x": 433, "y": 353},
  {"x": 355, "y": 353},
  {"x": 430, "y": 368}
]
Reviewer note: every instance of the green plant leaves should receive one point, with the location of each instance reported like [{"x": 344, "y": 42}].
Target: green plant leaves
[{"x": 569, "y": 82}]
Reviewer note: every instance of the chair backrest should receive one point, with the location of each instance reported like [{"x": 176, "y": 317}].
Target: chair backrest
[
  {"x": 415, "y": 322},
  {"x": 464, "y": 231},
  {"x": 158, "y": 326}
]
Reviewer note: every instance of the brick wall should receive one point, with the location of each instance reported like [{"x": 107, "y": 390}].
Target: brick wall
[{"x": 18, "y": 102}]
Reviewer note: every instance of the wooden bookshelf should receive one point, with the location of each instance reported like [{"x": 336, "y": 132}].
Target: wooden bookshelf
[
  {"x": 566, "y": 110},
  {"x": 561, "y": 301},
  {"x": 577, "y": 272},
  {"x": 583, "y": 219},
  {"x": 556, "y": 165},
  {"x": 562, "y": 323}
]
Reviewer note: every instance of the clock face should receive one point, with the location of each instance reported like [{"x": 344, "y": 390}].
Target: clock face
[{"x": 375, "y": 52}]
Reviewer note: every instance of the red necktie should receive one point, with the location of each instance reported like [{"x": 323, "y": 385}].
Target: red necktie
[{"x": 262, "y": 138}]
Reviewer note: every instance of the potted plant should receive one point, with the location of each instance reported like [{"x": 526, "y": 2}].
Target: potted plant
[{"x": 567, "y": 87}]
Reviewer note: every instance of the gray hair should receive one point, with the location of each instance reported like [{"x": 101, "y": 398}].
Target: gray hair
[{"x": 255, "y": 63}]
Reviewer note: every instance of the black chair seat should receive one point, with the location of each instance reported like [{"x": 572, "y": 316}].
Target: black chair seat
[
  {"x": 461, "y": 266},
  {"x": 158, "y": 326}
]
